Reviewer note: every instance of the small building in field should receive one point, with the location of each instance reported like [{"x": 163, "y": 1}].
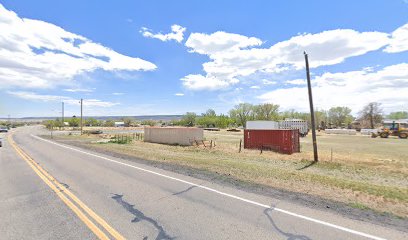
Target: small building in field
[
  {"x": 184, "y": 136},
  {"x": 119, "y": 124}
]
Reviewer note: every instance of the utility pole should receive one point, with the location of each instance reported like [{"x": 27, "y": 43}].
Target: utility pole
[
  {"x": 81, "y": 116},
  {"x": 62, "y": 117},
  {"x": 309, "y": 87}
]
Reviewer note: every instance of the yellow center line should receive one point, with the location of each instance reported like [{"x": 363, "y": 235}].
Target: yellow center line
[{"x": 59, "y": 189}]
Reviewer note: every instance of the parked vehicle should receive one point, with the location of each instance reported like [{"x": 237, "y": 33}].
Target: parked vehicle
[
  {"x": 393, "y": 128},
  {"x": 3, "y": 129},
  {"x": 1, "y": 143}
]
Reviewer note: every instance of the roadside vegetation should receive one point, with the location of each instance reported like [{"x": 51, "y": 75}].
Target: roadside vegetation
[
  {"x": 11, "y": 124},
  {"x": 357, "y": 170}
]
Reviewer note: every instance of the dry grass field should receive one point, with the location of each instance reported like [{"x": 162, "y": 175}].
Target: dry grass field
[{"x": 358, "y": 170}]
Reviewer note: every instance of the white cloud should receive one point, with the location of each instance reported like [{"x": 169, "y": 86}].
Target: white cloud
[
  {"x": 177, "y": 34},
  {"x": 200, "y": 82},
  {"x": 219, "y": 42},
  {"x": 354, "y": 89},
  {"x": 399, "y": 40},
  {"x": 296, "y": 82},
  {"x": 54, "y": 98},
  {"x": 233, "y": 56},
  {"x": 118, "y": 93},
  {"x": 37, "y": 97},
  {"x": 37, "y": 54},
  {"x": 179, "y": 94},
  {"x": 79, "y": 90},
  {"x": 91, "y": 103},
  {"x": 268, "y": 82},
  {"x": 255, "y": 87}
]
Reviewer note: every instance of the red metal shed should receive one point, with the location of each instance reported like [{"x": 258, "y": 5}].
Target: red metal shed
[{"x": 280, "y": 140}]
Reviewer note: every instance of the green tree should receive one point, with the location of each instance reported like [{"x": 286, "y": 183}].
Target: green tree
[
  {"x": 340, "y": 116},
  {"x": 128, "y": 121},
  {"x": 398, "y": 115},
  {"x": 149, "y": 122},
  {"x": 91, "y": 122},
  {"x": 74, "y": 122},
  {"x": 223, "y": 121},
  {"x": 209, "y": 113},
  {"x": 207, "y": 119},
  {"x": 266, "y": 111},
  {"x": 242, "y": 113},
  {"x": 58, "y": 123},
  {"x": 372, "y": 113},
  {"x": 109, "y": 123},
  {"x": 50, "y": 124},
  {"x": 321, "y": 118},
  {"x": 175, "y": 122},
  {"x": 188, "y": 119}
]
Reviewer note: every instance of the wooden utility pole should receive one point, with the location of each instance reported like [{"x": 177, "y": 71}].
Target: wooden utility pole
[
  {"x": 312, "y": 116},
  {"x": 62, "y": 117},
  {"x": 81, "y": 116}
]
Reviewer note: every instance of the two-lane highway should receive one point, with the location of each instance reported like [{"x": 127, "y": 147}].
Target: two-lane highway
[{"x": 142, "y": 202}]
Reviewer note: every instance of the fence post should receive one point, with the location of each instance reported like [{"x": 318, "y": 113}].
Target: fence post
[
  {"x": 331, "y": 154},
  {"x": 240, "y": 144}
]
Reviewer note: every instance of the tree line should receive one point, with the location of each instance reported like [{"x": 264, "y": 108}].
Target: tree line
[
  {"x": 370, "y": 116},
  {"x": 93, "y": 122}
]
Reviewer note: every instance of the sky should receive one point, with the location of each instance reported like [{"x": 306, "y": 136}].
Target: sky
[{"x": 171, "y": 57}]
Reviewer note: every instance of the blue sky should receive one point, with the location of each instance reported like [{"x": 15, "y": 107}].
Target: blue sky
[{"x": 170, "y": 57}]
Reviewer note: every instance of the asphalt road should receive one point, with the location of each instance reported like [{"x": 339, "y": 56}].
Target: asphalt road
[{"x": 54, "y": 191}]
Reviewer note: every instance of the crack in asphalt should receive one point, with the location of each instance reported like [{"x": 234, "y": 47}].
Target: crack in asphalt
[
  {"x": 186, "y": 190},
  {"x": 289, "y": 236},
  {"x": 139, "y": 216}
]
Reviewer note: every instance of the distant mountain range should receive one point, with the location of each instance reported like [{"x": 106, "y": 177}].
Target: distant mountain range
[{"x": 140, "y": 118}]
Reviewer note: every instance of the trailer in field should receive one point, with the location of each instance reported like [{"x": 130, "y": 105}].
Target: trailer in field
[
  {"x": 295, "y": 124},
  {"x": 288, "y": 124}
]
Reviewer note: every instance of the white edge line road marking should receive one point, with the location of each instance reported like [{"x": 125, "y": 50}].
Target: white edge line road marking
[{"x": 221, "y": 193}]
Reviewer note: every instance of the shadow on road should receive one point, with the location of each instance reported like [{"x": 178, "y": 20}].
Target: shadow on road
[
  {"x": 288, "y": 236},
  {"x": 139, "y": 216}
]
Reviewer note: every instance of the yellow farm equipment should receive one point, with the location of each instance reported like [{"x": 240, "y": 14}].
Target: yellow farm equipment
[{"x": 393, "y": 128}]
